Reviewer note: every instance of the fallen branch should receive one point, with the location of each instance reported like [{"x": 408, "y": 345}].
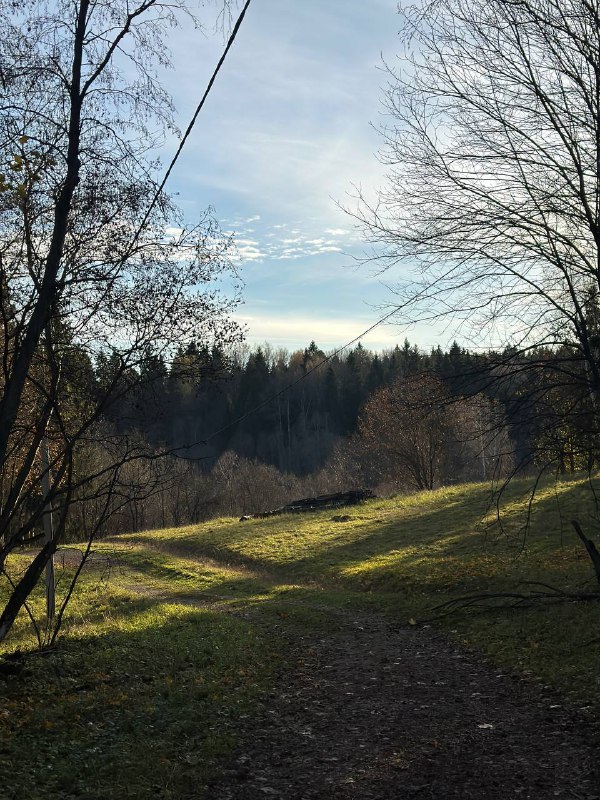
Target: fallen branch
[
  {"x": 323, "y": 501},
  {"x": 486, "y": 601}
]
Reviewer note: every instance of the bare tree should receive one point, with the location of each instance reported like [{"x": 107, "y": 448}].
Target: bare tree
[
  {"x": 405, "y": 427},
  {"x": 493, "y": 191},
  {"x": 94, "y": 256},
  {"x": 415, "y": 434}
]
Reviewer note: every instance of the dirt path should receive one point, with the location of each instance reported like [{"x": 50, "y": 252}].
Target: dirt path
[{"x": 373, "y": 711}]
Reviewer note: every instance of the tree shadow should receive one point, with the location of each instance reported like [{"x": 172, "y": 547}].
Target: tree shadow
[{"x": 150, "y": 703}]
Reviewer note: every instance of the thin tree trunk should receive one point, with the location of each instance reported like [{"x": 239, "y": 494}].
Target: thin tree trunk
[{"x": 49, "y": 290}]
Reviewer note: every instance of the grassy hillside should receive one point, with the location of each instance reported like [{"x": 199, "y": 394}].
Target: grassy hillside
[{"x": 175, "y": 634}]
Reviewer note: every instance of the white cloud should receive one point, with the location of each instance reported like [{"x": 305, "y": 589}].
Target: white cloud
[
  {"x": 297, "y": 331},
  {"x": 248, "y": 252},
  {"x": 273, "y": 242},
  {"x": 337, "y": 231}
]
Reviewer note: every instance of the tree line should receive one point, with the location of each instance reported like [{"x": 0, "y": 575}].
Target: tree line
[{"x": 237, "y": 430}]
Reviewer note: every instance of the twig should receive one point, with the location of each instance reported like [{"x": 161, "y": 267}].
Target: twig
[{"x": 484, "y": 601}]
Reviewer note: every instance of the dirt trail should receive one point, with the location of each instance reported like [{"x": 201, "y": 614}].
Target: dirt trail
[{"x": 373, "y": 711}]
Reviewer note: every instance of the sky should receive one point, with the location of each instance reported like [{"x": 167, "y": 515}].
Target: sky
[{"x": 287, "y": 132}]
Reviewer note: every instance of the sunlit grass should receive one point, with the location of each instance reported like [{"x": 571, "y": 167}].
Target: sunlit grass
[
  {"x": 141, "y": 696},
  {"x": 173, "y": 634}
]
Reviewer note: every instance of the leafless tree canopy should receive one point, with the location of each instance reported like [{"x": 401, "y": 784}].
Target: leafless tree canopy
[
  {"x": 416, "y": 435},
  {"x": 94, "y": 256},
  {"x": 494, "y": 170}
]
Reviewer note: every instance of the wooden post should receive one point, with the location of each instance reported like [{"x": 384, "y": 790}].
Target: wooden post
[{"x": 48, "y": 533}]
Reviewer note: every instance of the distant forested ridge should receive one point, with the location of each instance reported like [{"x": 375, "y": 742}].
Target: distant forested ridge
[
  {"x": 242, "y": 430},
  {"x": 208, "y": 402},
  {"x": 284, "y": 410}
]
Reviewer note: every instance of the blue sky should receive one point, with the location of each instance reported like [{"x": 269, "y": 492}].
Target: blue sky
[{"x": 286, "y": 133}]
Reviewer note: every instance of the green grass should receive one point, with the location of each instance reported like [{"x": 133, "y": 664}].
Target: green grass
[
  {"x": 175, "y": 634},
  {"x": 144, "y": 689},
  {"x": 146, "y": 704}
]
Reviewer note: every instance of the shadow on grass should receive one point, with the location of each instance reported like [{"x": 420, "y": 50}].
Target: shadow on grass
[
  {"x": 145, "y": 691},
  {"x": 437, "y": 543},
  {"x": 151, "y": 703},
  {"x": 324, "y": 554}
]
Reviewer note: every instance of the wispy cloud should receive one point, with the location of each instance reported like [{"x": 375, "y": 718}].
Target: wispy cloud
[
  {"x": 288, "y": 125},
  {"x": 272, "y": 243},
  {"x": 285, "y": 136},
  {"x": 248, "y": 250}
]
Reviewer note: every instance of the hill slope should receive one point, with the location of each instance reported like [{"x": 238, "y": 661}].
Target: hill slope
[{"x": 175, "y": 635}]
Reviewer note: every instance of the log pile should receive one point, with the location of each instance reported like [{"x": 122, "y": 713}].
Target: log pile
[{"x": 322, "y": 501}]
